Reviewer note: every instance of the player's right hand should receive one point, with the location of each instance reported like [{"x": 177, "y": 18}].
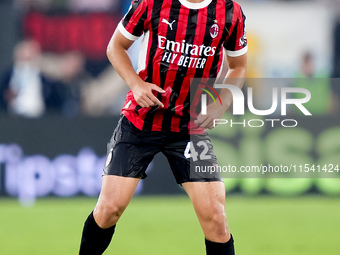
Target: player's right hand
[{"x": 144, "y": 96}]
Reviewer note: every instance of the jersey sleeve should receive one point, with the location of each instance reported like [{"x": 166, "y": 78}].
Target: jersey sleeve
[
  {"x": 132, "y": 25},
  {"x": 236, "y": 42}
]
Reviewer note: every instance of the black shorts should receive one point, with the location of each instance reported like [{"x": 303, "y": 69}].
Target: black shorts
[{"x": 130, "y": 151}]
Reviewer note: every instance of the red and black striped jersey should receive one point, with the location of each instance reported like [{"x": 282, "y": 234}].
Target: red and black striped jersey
[{"x": 182, "y": 40}]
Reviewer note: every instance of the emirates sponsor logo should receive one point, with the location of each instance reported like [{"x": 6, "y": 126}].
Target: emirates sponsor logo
[
  {"x": 185, "y": 48},
  {"x": 185, "y": 54}
]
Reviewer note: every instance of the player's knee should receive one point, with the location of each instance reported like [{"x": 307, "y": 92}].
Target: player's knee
[
  {"x": 107, "y": 215},
  {"x": 214, "y": 214},
  {"x": 217, "y": 223},
  {"x": 217, "y": 228}
]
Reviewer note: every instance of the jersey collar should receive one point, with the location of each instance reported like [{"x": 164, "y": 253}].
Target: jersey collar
[{"x": 200, "y": 5}]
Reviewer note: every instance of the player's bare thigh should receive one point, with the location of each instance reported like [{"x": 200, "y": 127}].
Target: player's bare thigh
[
  {"x": 208, "y": 199},
  {"x": 115, "y": 195}
]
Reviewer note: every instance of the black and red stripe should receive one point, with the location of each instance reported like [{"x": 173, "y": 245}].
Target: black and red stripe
[
  {"x": 153, "y": 119},
  {"x": 207, "y": 40},
  {"x": 169, "y": 122}
]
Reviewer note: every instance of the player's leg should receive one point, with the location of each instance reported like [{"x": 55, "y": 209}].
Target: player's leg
[
  {"x": 99, "y": 227},
  {"x": 208, "y": 199},
  {"x": 115, "y": 195},
  {"x": 129, "y": 153},
  {"x": 206, "y": 190}
]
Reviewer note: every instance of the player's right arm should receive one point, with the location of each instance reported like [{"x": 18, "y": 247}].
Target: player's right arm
[{"x": 120, "y": 60}]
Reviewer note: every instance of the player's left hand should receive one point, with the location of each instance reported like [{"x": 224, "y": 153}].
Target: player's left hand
[{"x": 213, "y": 112}]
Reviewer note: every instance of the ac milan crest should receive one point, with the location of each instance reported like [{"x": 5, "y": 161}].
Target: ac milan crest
[{"x": 214, "y": 31}]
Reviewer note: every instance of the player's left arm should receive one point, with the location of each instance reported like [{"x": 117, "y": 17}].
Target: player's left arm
[
  {"x": 235, "y": 76},
  {"x": 237, "y": 67}
]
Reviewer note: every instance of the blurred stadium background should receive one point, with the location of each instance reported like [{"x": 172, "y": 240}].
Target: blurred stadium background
[{"x": 60, "y": 101}]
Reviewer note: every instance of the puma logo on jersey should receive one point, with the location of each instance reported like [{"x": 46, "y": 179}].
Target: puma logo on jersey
[{"x": 168, "y": 23}]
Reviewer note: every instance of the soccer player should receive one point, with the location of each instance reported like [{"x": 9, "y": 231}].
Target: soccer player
[{"x": 183, "y": 39}]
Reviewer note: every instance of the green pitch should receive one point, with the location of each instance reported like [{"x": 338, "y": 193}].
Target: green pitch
[{"x": 168, "y": 226}]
